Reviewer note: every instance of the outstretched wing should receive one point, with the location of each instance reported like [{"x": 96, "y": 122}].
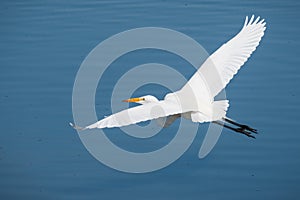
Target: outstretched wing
[
  {"x": 224, "y": 63},
  {"x": 137, "y": 114}
]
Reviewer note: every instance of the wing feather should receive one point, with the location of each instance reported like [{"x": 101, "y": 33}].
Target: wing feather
[
  {"x": 229, "y": 58},
  {"x": 217, "y": 71},
  {"x": 138, "y": 114}
]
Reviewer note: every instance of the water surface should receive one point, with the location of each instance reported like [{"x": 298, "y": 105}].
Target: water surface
[{"x": 42, "y": 46}]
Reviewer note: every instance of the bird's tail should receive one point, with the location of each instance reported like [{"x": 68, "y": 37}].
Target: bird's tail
[{"x": 219, "y": 109}]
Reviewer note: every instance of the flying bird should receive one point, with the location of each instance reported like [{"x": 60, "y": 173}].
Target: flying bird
[{"x": 195, "y": 100}]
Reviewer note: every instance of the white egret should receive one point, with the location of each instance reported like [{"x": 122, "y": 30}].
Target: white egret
[{"x": 195, "y": 101}]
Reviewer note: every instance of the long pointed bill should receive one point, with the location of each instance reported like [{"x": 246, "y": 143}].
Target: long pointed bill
[{"x": 133, "y": 100}]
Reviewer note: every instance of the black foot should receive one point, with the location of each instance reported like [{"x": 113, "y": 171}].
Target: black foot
[
  {"x": 249, "y": 129},
  {"x": 242, "y": 126},
  {"x": 238, "y": 130},
  {"x": 244, "y": 131}
]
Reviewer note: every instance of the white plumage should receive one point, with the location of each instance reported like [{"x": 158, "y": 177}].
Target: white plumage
[{"x": 195, "y": 100}]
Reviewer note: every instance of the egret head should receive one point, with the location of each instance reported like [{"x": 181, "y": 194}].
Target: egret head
[{"x": 142, "y": 100}]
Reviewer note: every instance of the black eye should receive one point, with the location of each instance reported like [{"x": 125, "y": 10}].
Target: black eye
[{"x": 143, "y": 99}]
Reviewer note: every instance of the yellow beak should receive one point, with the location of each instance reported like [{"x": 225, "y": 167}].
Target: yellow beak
[{"x": 133, "y": 100}]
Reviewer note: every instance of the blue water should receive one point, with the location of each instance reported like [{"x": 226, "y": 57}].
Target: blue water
[{"x": 42, "y": 46}]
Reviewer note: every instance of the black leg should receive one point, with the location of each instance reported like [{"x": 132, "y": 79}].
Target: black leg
[
  {"x": 242, "y": 126},
  {"x": 238, "y": 130}
]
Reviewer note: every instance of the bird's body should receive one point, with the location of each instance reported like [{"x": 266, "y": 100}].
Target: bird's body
[{"x": 195, "y": 101}]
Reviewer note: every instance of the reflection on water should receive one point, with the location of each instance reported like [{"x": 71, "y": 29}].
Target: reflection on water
[{"x": 42, "y": 47}]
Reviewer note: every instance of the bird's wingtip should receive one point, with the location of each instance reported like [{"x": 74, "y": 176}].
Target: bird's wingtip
[
  {"x": 253, "y": 20},
  {"x": 246, "y": 21},
  {"x": 76, "y": 127}
]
